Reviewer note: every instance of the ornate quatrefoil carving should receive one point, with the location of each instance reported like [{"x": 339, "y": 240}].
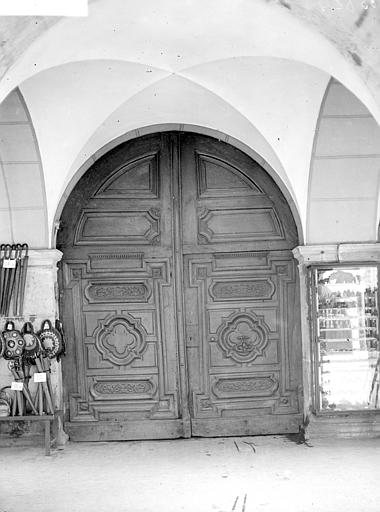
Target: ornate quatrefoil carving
[
  {"x": 243, "y": 337},
  {"x": 120, "y": 340}
]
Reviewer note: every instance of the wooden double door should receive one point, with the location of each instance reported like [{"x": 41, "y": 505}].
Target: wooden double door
[{"x": 179, "y": 295}]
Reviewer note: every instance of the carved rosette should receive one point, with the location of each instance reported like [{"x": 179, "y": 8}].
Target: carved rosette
[
  {"x": 243, "y": 337},
  {"x": 120, "y": 340},
  {"x": 76, "y": 273}
]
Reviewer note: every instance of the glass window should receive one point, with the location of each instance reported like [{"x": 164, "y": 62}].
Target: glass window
[{"x": 347, "y": 339}]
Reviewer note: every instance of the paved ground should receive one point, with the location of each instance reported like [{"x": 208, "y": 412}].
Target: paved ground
[{"x": 268, "y": 474}]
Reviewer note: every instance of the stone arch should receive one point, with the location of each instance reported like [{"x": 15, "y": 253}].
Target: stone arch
[
  {"x": 57, "y": 106},
  {"x": 178, "y": 127},
  {"x": 348, "y": 50},
  {"x": 345, "y": 171},
  {"x": 23, "y": 211},
  {"x": 151, "y": 218}
]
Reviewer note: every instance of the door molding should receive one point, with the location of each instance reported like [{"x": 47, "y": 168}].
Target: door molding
[
  {"x": 178, "y": 280},
  {"x": 132, "y": 358},
  {"x": 182, "y": 128}
]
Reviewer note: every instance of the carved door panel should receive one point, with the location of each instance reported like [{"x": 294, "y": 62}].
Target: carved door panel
[
  {"x": 179, "y": 295},
  {"x": 121, "y": 374},
  {"x": 242, "y": 335}
]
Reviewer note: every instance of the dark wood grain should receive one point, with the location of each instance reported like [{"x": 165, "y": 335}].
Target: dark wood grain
[{"x": 178, "y": 289}]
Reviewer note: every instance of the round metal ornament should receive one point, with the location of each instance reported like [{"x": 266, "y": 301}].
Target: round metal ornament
[
  {"x": 51, "y": 339},
  {"x": 13, "y": 341}
]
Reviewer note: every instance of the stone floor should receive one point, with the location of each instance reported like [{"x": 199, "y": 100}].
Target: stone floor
[{"x": 251, "y": 474}]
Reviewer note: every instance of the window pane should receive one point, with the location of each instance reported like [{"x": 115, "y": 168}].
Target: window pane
[{"x": 348, "y": 339}]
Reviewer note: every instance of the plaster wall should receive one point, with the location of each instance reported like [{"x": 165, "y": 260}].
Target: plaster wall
[
  {"x": 123, "y": 70},
  {"x": 176, "y": 36},
  {"x": 22, "y": 191},
  {"x": 255, "y": 71},
  {"x": 345, "y": 171},
  {"x": 77, "y": 109},
  {"x": 351, "y": 27}
]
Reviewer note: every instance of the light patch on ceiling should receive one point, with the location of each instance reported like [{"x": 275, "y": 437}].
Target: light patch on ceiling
[{"x": 44, "y": 8}]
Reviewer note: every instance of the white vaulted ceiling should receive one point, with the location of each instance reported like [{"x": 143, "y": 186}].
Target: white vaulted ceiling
[
  {"x": 247, "y": 71},
  {"x": 243, "y": 98}
]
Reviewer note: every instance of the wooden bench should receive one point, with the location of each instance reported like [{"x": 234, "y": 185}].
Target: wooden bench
[{"x": 46, "y": 419}]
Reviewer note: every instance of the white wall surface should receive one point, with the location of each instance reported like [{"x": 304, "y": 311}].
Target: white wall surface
[
  {"x": 270, "y": 105},
  {"x": 248, "y": 69},
  {"x": 175, "y": 36},
  {"x": 345, "y": 172},
  {"x": 23, "y": 215}
]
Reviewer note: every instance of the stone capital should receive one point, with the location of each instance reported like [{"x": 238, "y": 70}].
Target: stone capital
[
  {"x": 337, "y": 253},
  {"x": 44, "y": 258}
]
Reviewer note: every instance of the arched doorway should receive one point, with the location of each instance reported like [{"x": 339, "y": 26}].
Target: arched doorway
[{"x": 179, "y": 295}]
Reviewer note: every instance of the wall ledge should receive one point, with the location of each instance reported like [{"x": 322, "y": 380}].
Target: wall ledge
[
  {"x": 350, "y": 425},
  {"x": 337, "y": 253}
]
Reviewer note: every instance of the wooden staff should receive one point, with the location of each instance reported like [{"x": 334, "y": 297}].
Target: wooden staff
[
  {"x": 8, "y": 278},
  {"x": 14, "y": 404},
  {"x": 24, "y": 267},
  {"x": 39, "y": 399},
  {"x": 2, "y": 272},
  {"x": 46, "y": 365},
  {"x": 12, "y": 275},
  {"x": 16, "y": 298},
  {"x": 25, "y": 390},
  {"x": 40, "y": 368},
  {"x": 7, "y": 255},
  {"x": 18, "y": 401}
]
